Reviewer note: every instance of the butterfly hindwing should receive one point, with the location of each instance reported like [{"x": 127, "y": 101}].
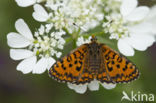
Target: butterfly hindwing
[
  {"x": 118, "y": 69},
  {"x": 70, "y": 67}
]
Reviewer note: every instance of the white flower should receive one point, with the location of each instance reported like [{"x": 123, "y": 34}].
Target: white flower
[
  {"x": 93, "y": 86},
  {"x": 81, "y": 41},
  {"x": 30, "y": 49},
  {"x": 129, "y": 27},
  {"x": 85, "y": 14},
  {"x": 139, "y": 37},
  {"x": 25, "y": 3}
]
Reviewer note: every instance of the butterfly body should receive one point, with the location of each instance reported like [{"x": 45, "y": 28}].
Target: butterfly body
[
  {"x": 94, "y": 61},
  {"x": 93, "y": 58}
]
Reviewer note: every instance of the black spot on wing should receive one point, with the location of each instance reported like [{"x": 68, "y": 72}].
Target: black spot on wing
[
  {"x": 70, "y": 65},
  {"x": 78, "y": 68},
  {"x": 118, "y": 66}
]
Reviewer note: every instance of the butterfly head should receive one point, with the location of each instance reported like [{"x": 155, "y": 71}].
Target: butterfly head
[{"x": 93, "y": 39}]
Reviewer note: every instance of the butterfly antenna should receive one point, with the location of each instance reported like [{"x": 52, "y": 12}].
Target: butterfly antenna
[
  {"x": 109, "y": 23},
  {"x": 82, "y": 28}
]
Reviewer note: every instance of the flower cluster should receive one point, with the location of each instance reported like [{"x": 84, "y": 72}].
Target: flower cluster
[
  {"x": 133, "y": 26},
  {"x": 127, "y": 25},
  {"x": 63, "y": 13},
  {"x": 40, "y": 46}
]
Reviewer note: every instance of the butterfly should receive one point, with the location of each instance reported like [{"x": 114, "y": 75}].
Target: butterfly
[{"x": 92, "y": 61}]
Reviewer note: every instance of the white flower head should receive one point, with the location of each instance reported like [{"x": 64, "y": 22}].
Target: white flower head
[
  {"x": 124, "y": 27},
  {"x": 63, "y": 14},
  {"x": 35, "y": 52},
  {"x": 114, "y": 26},
  {"x": 136, "y": 40}
]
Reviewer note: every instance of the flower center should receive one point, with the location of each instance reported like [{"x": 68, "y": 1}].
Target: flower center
[
  {"x": 47, "y": 44},
  {"x": 116, "y": 27}
]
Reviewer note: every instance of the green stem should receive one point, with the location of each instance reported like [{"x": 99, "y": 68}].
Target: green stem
[{"x": 74, "y": 43}]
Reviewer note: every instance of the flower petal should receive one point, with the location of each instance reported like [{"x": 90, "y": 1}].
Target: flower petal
[
  {"x": 141, "y": 41},
  {"x": 17, "y": 41},
  {"x": 40, "y": 14},
  {"x": 152, "y": 14},
  {"x": 124, "y": 47},
  {"x": 51, "y": 61},
  {"x": 25, "y": 3},
  {"x": 40, "y": 66},
  {"x": 94, "y": 85},
  {"x": 80, "y": 41},
  {"x": 108, "y": 86},
  {"x": 23, "y": 29},
  {"x": 148, "y": 26},
  {"x": 78, "y": 88},
  {"x": 143, "y": 28},
  {"x": 138, "y": 14},
  {"x": 70, "y": 85},
  {"x": 27, "y": 65},
  {"x": 18, "y": 54},
  {"x": 128, "y": 6}
]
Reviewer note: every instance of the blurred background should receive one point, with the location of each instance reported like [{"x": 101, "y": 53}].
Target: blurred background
[{"x": 16, "y": 87}]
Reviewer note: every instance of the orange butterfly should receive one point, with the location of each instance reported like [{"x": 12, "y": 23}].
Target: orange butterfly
[{"x": 94, "y": 61}]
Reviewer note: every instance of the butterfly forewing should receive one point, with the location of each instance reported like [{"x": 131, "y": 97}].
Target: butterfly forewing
[{"x": 70, "y": 68}]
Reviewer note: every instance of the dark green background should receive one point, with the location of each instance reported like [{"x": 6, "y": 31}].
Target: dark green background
[{"x": 16, "y": 87}]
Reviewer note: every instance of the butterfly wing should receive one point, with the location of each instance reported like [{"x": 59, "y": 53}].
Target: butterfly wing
[
  {"x": 118, "y": 69},
  {"x": 70, "y": 67}
]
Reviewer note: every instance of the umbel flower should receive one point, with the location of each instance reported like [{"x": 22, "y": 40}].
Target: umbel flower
[
  {"x": 133, "y": 26},
  {"x": 63, "y": 14},
  {"x": 135, "y": 39},
  {"x": 35, "y": 52},
  {"x": 124, "y": 27}
]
